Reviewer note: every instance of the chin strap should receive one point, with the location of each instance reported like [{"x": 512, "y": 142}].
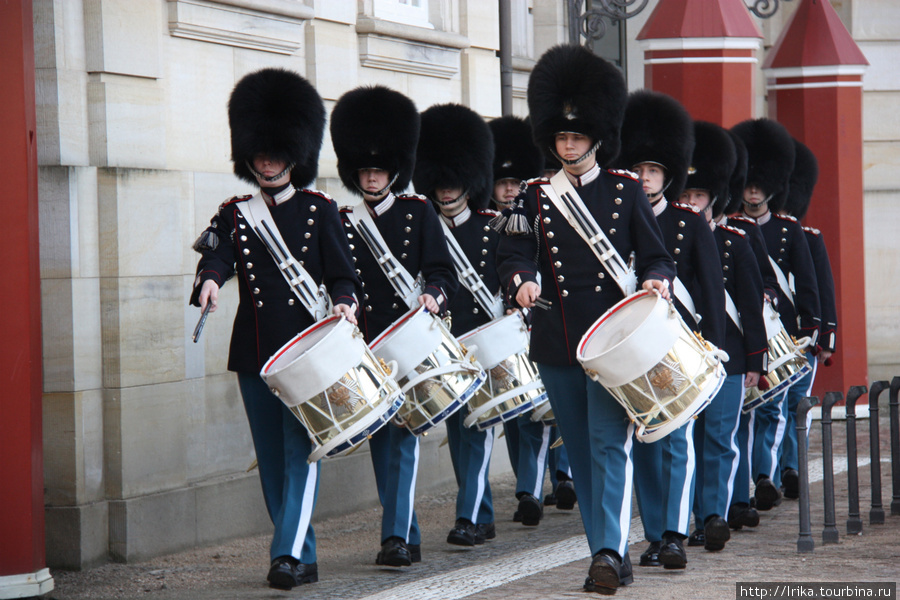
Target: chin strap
[
  {"x": 449, "y": 202},
  {"x": 578, "y": 160},
  {"x": 763, "y": 203},
  {"x": 262, "y": 177},
  {"x": 382, "y": 191}
]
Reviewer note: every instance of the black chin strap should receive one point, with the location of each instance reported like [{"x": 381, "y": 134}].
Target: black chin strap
[
  {"x": 763, "y": 203},
  {"x": 578, "y": 160},
  {"x": 449, "y": 202},
  {"x": 262, "y": 177},
  {"x": 382, "y": 191}
]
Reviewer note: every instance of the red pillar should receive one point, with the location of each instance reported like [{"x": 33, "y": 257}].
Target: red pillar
[
  {"x": 703, "y": 53},
  {"x": 22, "y": 561},
  {"x": 814, "y": 74}
]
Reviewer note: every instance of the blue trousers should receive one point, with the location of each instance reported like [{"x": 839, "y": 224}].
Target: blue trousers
[
  {"x": 470, "y": 452},
  {"x": 664, "y": 482},
  {"x": 528, "y": 443},
  {"x": 290, "y": 485},
  {"x": 599, "y": 439},
  {"x": 798, "y": 390},
  {"x": 557, "y": 460},
  {"x": 745, "y": 433},
  {"x": 717, "y": 450},
  {"x": 395, "y": 458},
  {"x": 769, "y": 428}
]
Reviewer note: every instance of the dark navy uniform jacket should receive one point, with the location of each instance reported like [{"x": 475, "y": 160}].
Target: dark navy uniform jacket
[
  {"x": 572, "y": 278},
  {"x": 825, "y": 279},
  {"x": 690, "y": 242},
  {"x": 758, "y": 244},
  {"x": 747, "y": 351},
  {"x": 479, "y": 243},
  {"x": 787, "y": 245},
  {"x": 269, "y": 314},
  {"x": 411, "y": 229}
]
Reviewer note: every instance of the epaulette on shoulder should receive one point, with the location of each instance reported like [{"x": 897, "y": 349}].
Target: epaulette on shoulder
[
  {"x": 347, "y": 208},
  {"x": 736, "y": 230},
  {"x": 624, "y": 173},
  {"x": 417, "y": 197},
  {"x": 786, "y": 217},
  {"x": 319, "y": 193},
  {"x": 538, "y": 181},
  {"x": 742, "y": 219},
  {"x": 812, "y": 230},
  {"x": 487, "y": 212},
  {"x": 687, "y": 207},
  {"x": 234, "y": 199}
]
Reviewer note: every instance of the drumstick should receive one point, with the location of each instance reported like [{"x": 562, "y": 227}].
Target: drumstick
[
  {"x": 199, "y": 328},
  {"x": 542, "y": 303}
]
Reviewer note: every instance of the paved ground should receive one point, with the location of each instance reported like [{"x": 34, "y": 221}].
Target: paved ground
[{"x": 548, "y": 561}]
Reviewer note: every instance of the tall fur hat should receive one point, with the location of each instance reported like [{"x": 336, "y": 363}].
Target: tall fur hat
[
  {"x": 738, "y": 176},
  {"x": 278, "y": 113},
  {"x": 456, "y": 149},
  {"x": 770, "y": 154},
  {"x": 657, "y": 129},
  {"x": 712, "y": 163},
  {"x": 572, "y": 89},
  {"x": 515, "y": 155},
  {"x": 803, "y": 181},
  {"x": 375, "y": 127}
]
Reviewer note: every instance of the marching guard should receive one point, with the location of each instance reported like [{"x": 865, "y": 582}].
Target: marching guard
[
  {"x": 453, "y": 170},
  {"x": 771, "y": 155},
  {"x": 375, "y": 131},
  {"x": 277, "y": 120},
  {"x": 657, "y": 141},
  {"x": 576, "y": 102}
]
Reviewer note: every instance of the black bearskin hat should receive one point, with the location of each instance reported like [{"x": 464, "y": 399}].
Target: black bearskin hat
[
  {"x": 572, "y": 89},
  {"x": 278, "y": 113},
  {"x": 456, "y": 149},
  {"x": 657, "y": 129},
  {"x": 375, "y": 127},
  {"x": 770, "y": 154},
  {"x": 738, "y": 176},
  {"x": 803, "y": 181},
  {"x": 712, "y": 163},
  {"x": 515, "y": 155}
]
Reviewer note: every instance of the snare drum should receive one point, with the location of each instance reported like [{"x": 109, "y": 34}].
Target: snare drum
[
  {"x": 544, "y": 414},
  {"x": 513, "y": 384},
  {"x": 787, "y": 364},
  {"x": 436, "y": 373},
  {"x": 330, "y": 380},
  {"x": 644, "y": 354}
]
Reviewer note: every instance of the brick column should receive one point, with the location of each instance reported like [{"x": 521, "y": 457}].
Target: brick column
[
  {"x": 703, "y": 53},
  {"x": 22, "y": 562},
  {"x": 814, "y": 78}
]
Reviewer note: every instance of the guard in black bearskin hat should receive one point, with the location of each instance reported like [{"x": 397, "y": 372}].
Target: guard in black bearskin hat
[
  {"x": 516, "y": 160},
  {"x": 577, "y": 102},
  {"x": 657, "y": 141},
  {"x": 277, "y": 119},
  {"x": 453, "y": 169},
  {"x": 716, "y": 434},
  {"x": 771, "y": 155},
  {"x": 375, "y": 131},
  {"x": 802, "y": 182}
]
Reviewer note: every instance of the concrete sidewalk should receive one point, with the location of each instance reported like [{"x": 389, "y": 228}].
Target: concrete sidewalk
[{"x": 548, "y": 561}]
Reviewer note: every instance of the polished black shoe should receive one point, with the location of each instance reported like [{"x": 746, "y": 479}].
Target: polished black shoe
[
  {"x": 517, "y": 517},
  {"x": 287, "y": 573},
  {"x": 415, "y": 552},
  {"x": 550, "y": 499},
  {"x": 530, "y": 509},
  {"x": 607, "y": 573},
  {"x": 671, "y": 553},
  {"x": 741, "y": 515},
  {"x": 716, "y": 533},
  {"x": 394, "y": 553},
  {"x": 462, "y": 534},
  {"x": 565, "y": 495},
  {"x": 484, "y": 531},
  {"x": 650, "y": 557},
  {"x": 697, "y": 538},
  {"x": 790, "y": 482},
  {"x": 767, "y": 495}
]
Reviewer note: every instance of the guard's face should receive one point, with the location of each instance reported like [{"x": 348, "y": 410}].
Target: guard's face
[
  {"x": 753, "y": 194},
  {"x": 269, "y": 167},
  {"x": 505, "y": 191},
  {"x": 372, "y": 180},
  {"x": 451, "y": 201},
  {"x": 652, "y": 177},
  {"x": 571, "y": 145},
  {"x": 699, "y": 199}
]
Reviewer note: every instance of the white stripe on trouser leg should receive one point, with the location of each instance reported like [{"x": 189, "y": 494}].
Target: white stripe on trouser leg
[
  {"x": 736, "y": 461},
  {"x": 538, "y": 484},
  {"x": 751, "y": 434},
  {"x": 684, "y": 506},
  {"x": 812, "y": 380},
  {"x": 485, "y": 461},
  {"x": 412, "y": 491},
  {"x": 779, "y": 436},
  {"x": 625, "y": 512},
  {"x": 306, "y": 509}
]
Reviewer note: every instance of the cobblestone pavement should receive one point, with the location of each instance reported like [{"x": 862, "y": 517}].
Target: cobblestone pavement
[{"x": 548, "y": 561}]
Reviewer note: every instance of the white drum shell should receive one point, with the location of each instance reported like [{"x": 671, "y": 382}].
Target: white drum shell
[
  {"x": 637, "y": 333},
  {"x": 496, "y": 341},
  {"x": 408, "y": 341}
]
